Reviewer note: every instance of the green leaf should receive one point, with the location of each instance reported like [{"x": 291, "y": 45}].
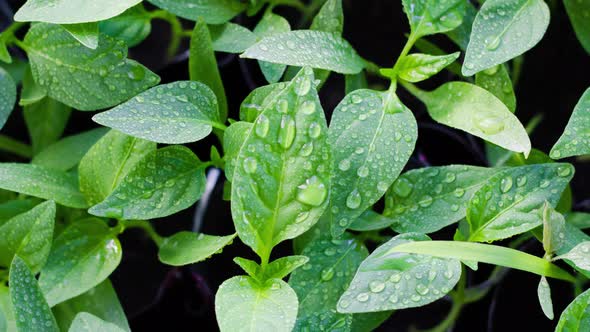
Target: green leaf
[
  {"x": 282, "y": 267},
  {"x": 85, "y": 33},
  {"x": 203, "y": 68},
  {"x": 164, "y": 182},
  {"x": 509, "y": 202},
  {"x": 579, "y": 256},
  {"x": 185, "y": 248},
  {"x": 7, "y": 320},
  {"x": 370, "y": 221},
  {"x": 485, "y": 253},
  {"x": 372, "y": 139},
  {"x": 544, "y": 295},
  {"x": 28, "y": 235},
  {"x": 4, "y": 54},
  {"x": 429, "y": 17},
  {"x": 419, "y": 67},
  {"x": 100, "y": 301},
  {"x": 503, "y": 30},
  {"x": 574, "y": 141},
  {"x": 249, "y": 266},
  {"x": 497, "y": 81},
  {"x": 46, "y": 121},
  {"x": 330, "y": 18},
  {"x": 319, "y": 283},
  {"x": 31, "y": 91},
  {"x": 317, "y": 49},
  {"x": 462, "y": 33},
  {"x": 132, "y": 26},
  {"x": 81, "y": 257},
  {"x": 271, "y": 24},
  {"x": 389, "y": 280},
  {"x": 231, "y": 37},
  {"x": 12, "y": 208},
  {"x": 108, "y": 161},
  {"x": 103, "y": 77},
  {"x": 233, "y": 139},
  {"x": 71, "y": 11},
  {"x": 577, "y": 10},
  {"x": 31, "y": 311},
  {"x": 85, "y": 322},
  {"x": 428, "y": 199},
  {"x": 355, "y": 82},
  {"x": 241, "y": 304},
  {"x": 452, "y": 104},
  {"x": 212, "y": 11},
  {"x": 174, "y": 113},
  {"x": 66, "y": 153},
  {"x": 42, "y": 182},
  {"x": 576, "y": 317},
  {"x": 279, "y": 193},
  {"x": 579, "y": 219},
  {"x": 258, "y": 100},
  {"x": 7, "y": 95},
  {"x": 368, "y": 321},
  {"x": 553, "y": 229}
]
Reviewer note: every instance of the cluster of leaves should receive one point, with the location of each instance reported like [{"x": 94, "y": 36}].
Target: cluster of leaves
[{"x": 290, "y": 175}]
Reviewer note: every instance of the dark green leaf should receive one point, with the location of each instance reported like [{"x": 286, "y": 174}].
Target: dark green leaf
[
  {"x": 231, "y": 38},
  {"x": 578, "y": 11},
  {"x": 7, "y": 95},
  {"x": 133, "y": 26},
  {"x": 212, "y": 11},
  {"x": 46, "y": 121},
  {"x": 330, "y": 18},
  {"x": 187, "y": 247},
  {"x": 428, "y": 17},
  {"x": 497, "y": 81},
  {"x": 370, "y": 221},
  {"x": 576, "y": 317},
  {"x": 7, "y": 319},
  {"x": 271, "y": 24},
  {"x": 575, "y": 139},
  {"x": 31, "y": 91}
]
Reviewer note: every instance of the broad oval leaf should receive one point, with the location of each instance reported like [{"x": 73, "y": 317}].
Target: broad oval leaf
[
  {"x": 371, "y": 141},
  {"x": 503, "y": 30},
  {"x": 575, "y": 140},
  {"x": 164, "y": 182},
  {"x": 579, "y": 256},
  {"x": 428, "y": 17},
  {"x": 241, "y": 304},
  {"x": 281, "y": 184},
  {"x": 212, "y": 11},
  {"x": 46, "y": 121},
  {"x": 133, "y": 26},
  {"x": 389, "y": 280},
  {"x": 271, "y": 24},
  {"x": 578, "y": 11},
  {"x": 428, "y": 199},
  {"x": 317, "y": 49},
  {"x": 185, "y": 248},
  {"x": 85, "y": 322},
  {"x": 174, "y": 113},
  {"x": 85, "y": 33},
  {"x": 418, "y": 67},
  {"x": 497, "y": 81},
  {"x": 80, "y": 77},
  {"x": 231, "y": 37},
  {"x": 7, "y": 95},
  {"x": 508, "y": 204},
  {"x": 330, "y": 17},
  {"x": 576, "y": 315},
  {"x": 81, "y": 257},
  {"x": 71, "y": 11}
]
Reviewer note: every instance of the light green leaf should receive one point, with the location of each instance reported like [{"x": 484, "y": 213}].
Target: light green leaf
[
  {"x": 42, "y": 182},
  {"x": 578, "y": 11},
  {"x": 389, "y": 280},
  {"x": 497, "y": 81},
  {"x": 271, "y": 24},
  {"x": 428, "y": 17},
  {"x": 85, "y": 322},
  {"x": 544, "y": 295},
  {"x": 319, "y": 283},
  {"x": 28, "y": 235},
  {"x": 4, "y": 54},
  {"x": 579, "y": 256},
  {"x": 66, "y": 153},
  {"x": 31, "y": 91},
  {"x": 575, "y": 140},
  {"x": 370, "y": 221},
  {"x": 418, "y": 67},
  {"x": 174, "y": 113},
  {"x": 164, "y": 182},
  {"x": 279, "y": 193},
  {"x": 462, "y": 33},
  {"x": 282, "y": 267},
  {"x": 576, "y": 316},
  {"x": 108, "y": 161},
  {"x": 185, "y": 248},
  {"x": 428, "y": 199},
  {"x": 46, "y": 121},
  {"x": 81, "y": 257},
  {"x": 7, "y": 95},
  {"x": 249, "y": 266},
  {"x": 71, "y": 11},
  {"x": 12, "y": 208},
  {"x": 317, "y": 49},
  {"x": 85, "y": 33},
  {"x": 231, "y": 37},
  {"x": 7, "y": 319},
  {"x": 241, "y": 304},
  {"x": 80, "y": 77},
  {"x": 258, "y": 100},
  {"x": 372, "y": 139},
  {"x": 31, "y": 312},
  {"x": 330, "y": 17},
  {"x": 100, "y": 301},
  {"x": 503, "y": 30},
  {"x": 212, "y": 11},
  {"x": 233, "y": 138},
  {"x": 553, "y": 229},
  {"x": 355, "y": 82},
  {"x": 133, "y": 26}
]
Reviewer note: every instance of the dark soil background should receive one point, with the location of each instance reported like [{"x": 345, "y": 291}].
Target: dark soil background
[{"x": 160, "y": 298}]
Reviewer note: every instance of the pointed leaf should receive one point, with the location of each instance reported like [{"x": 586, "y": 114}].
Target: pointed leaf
[
  {"x": 553, "y": 229},
  {"x": 577, "y": 10},
  {"x": 577, "y": 314},
  {"x": 231, "y": 37},
  {"x": 428, "y": 17},
  {"x": 575, "y": 139},
  {"x": 71, "y": 11},
  {"x": 233, "y": 139},
  {"x": 283, "y": 266},
  {"x": 579, "y": 256},
  {"x": 497, "y": 81},
  {"x": 213, "y": 11},
  {"x": 7, "y": 95},
  {"x": 330, "y": 17},
  {"x": 31, "y": 91},
  {"x": 46, "y": 121},
  {"x": 271, "y": 24},
  {"x": 419, "y": 67},
  {"x": 185, "y": 248},
  {"x": 132, "y": 27},
  {"x": 544, "y": 295},
  {"x": 85, "y": 322}
]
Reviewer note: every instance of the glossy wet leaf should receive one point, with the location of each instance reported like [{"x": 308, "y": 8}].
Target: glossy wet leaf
[
  {"x": 462, "y": 33},
  {"x": 579, "y": 12},
  {"x": 497, "y": 81},
  {"x": 503, "y": 30},
  {"x": 164, "y": 182},
  {"x": 241, "y": 304},
  {"x": 281, "y": 183},
  {"x": 14, "y": 207},
  {"x": 174, "y": 113},
  {"x": 579, "y": 256},
  {"x": 108, "y": 161},
  {"x": 31, "y": 312},
  {"x": 71, "y": 11},
  {"x": 29, "y": 236},
  {"x": 258, "y": 99},
  {"x": 509, "y": 202},
  {"x": 85, "y": 322},
  {"x": 282, "y": 267},
  {"x": 316, "y": 49},
  {"x": 233, "y": 138},
  {"x": 271, "y": 24},
  {"x": 81, "y": 257},
  {"x": 42, "y": 182},
  {"x": 31, "y": 92},
  {"x": 553, "y": 229},
  {"x": 427, "y": 199},
  {"x": 46, "y": 121},
  {"x": 212, "y": 11},
  {"x": 320, "y": 283},
  {"x": 231, "y": 37},
  {"x": 453, "y": 104},
  {"x": 575, "y": 140},
  {"x": 369, "y": 221},
  {"x": 428, "y": 17},
  {"x": 372, "y": 139},
  {"x": 330, "y": 17},
  {"x": 579, "y": 219},
  {"x": 577, "y": 314},
  {"x": 85, "y": 33},
  {"x": 418, "y": 67},
  {"x": 7, "y": 95},
  {"x": 249, "y": 266},
  {"x": 7, "y": 319},
  {"x": 544, "y": 295},
  {"x": 81, "y": 77},
  {"x": 132, "y": 26},
  {"x": 185, "y": 248},
  {"x": 389, "y": 280}
]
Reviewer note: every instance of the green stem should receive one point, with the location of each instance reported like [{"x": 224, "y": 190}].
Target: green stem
[
  {"x": 144, "y": 225},
  {"x": 8, "y": 34},
  {"x": 13, "y": 146},
  {"x": 414, "y": 90},
  {"x": 517, "y": 69},
  {"x": 298, "y": 4},
  {"x": 175, "y": 26},
  {"x": 458, "y": 297}
]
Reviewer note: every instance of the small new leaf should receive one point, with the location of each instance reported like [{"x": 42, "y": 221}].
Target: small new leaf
[
  {"x": 187, "y": 247},
  {"x": 575, "y": 140},
  {"x": 544, "y": 295},
  {"x": 579, "y": 256},
  {"x": 85, "y": 322},
  {"x": 553, "y": 229},
  {"x": 428, "y": 17},
  {"x": 419, "y": 67}
]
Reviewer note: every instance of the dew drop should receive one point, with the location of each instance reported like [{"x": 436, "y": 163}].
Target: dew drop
[
  {"x": 489, "y": 125},
  {"x": 363, "y": 171},
  {"x": 353, "y": 200},
  {"x": 426, "y": 201},
  {"x": 250, "y": 165},
  {"x": 304, "y": 85},
  {"x": 362, "y": 297},
  {"x": 564, "y": 171},
  {"x": 307, "y": 107},
  {"x": 506, "y": 184},
  {"x": 262, "y": 126},
  {"x": 521, "y": 181},
  {"x": 313, "y": 192},
  {"x": 287, "y": 132},
  {"x": 315, "y": 130},
  {"x": 376, "y": 286},
  {"x": 327, "y": 274},
  {"x": 493, "y": 43},
  {"x": 403, "y": 187}
]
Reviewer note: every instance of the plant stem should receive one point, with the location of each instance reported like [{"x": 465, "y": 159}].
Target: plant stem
[
  {"x": 291, "y": 3},
  {"x": 458, "y": 303},
  {"x": 146, "y": 226},
  {"x": 414, "y": 90},
  {"x": 13, "y": 146},
  {"x": 8, "y": 34},
  {"x": 176, "y": 29}
]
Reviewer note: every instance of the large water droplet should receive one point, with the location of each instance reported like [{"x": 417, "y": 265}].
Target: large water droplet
[
  {"x": 403, "y": 187},
  {"x": 425, "y": 201},
  {"x": 250, "y": 165},
  {"x": 304, "y": 84},
  {"x": 493, "y": 43},
  {"x": 353, "y": 200},
  {"x": 376, "y": 286},
  {"x": 313, "y": 192},
  {"x": 327, "y": 274},
  {"x": 287, "y": 131},
  {"x": 307, "y": 107},
  {"x": 344, "y": 165},
  {"x": 564, "y": 171},
  {"x": 421, "y": 289},
  {"x": 521, "y": 181},
  {"x": 262, "y": 126},
  {"x": 506, "y": 184},
  {"x": 489, "y": 125},
  {"x": 362, "y": 297},
  {"x": 315, "y": 130}
]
